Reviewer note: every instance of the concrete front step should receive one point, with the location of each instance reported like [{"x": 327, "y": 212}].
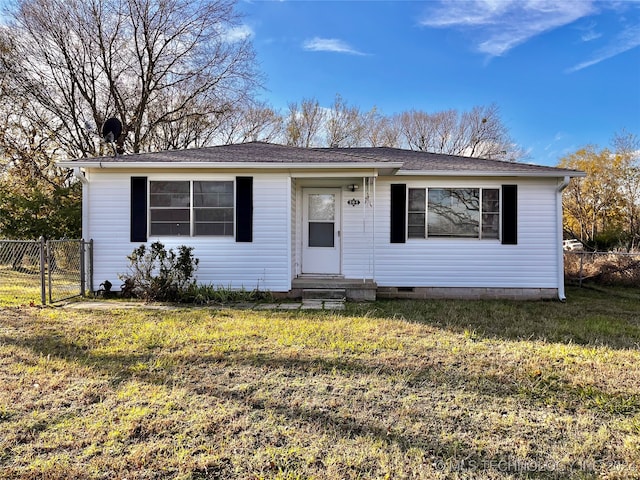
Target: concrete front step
[
  {"x": 352, "y": 289},
  {"x": 324, "y": 293}
]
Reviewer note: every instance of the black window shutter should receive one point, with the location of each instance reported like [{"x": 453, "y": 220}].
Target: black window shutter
[
  {"x": 510, "y": 214},
  {"x": 138, "y": 209},
  {"x": 398, "y": 212},
  {"x": 244, "y": 209}
]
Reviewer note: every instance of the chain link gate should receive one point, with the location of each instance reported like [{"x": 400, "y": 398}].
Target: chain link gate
[
  {"x": 66, "y": 273},
  {"x": 29, "y": 269}
]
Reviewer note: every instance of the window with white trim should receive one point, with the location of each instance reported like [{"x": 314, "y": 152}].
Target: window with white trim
[
  {"x": 184, "y": 208},
  {"x": 417, "y": 213},
  {"x": 453, "y": 213}
]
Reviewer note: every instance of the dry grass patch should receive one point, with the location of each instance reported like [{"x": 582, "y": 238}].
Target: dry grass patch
[
  {"x": 19, "y": 288},
  {"x": 386, "y": 390}
]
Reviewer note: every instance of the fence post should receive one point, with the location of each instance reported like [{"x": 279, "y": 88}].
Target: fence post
[
  {"x": 581, "y": 268},
  {"x": 43, "y": 293},
  {"x": 82, "y": 267},
  {"x": 91, "y": 289},
  {"x": 49, "y": 270}
]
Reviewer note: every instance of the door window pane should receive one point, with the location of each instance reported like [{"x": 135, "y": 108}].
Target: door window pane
[
  {"x": 321, "y": 234},
  {"x": 322, "y": 207}
]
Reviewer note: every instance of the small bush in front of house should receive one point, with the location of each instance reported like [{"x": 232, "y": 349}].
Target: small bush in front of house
[
  {"x": 210, "y": 294},
  {"x": 158, "y": 274}
]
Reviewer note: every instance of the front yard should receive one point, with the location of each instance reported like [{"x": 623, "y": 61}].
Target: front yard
[{"x": 439, "y": 389}]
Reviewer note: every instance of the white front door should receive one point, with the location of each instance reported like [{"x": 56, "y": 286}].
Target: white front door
[{"x": 321, "y": 231}]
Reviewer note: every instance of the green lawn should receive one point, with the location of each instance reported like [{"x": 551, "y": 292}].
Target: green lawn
[
  {"x": 436, "y": 389},
  {"x": 19, "y": 288},
  {"x": 24, "y": 287}
]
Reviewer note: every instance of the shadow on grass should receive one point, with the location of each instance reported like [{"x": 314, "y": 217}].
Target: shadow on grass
[
  {"x": 424, "y": 376},
  {"x": 600, "y": 317},
  {"x": 589, "y": 317}
]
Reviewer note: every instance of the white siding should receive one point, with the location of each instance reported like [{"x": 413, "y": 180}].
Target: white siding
[
  {"x": 294, "y": 228},
  {"x": 263, "y": 263},
  {"x": 273, "y": 258},
  {"x": 449, "y": 262},
  {"x": 357, "y": 236}
]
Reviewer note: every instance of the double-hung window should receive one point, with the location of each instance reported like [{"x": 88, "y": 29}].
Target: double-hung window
[
  {"x": 213, "y": 208},
  {"x": 417, "y": 213},
  {"x": 184, "y": 208},
  {"x": 453, "y": 212}
]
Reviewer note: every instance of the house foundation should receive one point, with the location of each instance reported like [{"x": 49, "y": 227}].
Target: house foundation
[{"x": 468, "y": 293}]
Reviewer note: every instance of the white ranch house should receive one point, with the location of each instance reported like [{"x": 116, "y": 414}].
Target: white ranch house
[{"x": 376, "y": 221}]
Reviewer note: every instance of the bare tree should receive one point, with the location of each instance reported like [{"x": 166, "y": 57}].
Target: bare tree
[
  {"x": 190, "y": 128},
  {"x": 148, "y": 62},
  {"x": 345, "y": 125},
  {"x": 254, "y": 122},
  {"x": 483, "y": 134},
  {"x": 444, "y": 132},
  {"x": 479, "y": 132},
  {"x": 36, "y": 196},
  {"x": 304, "y": 123},
  {"x": 390, "y": 132},
  {"x": 417, "y": 129},
  {"x": 263, "y": 124},
  {"x": 380, "y": 130}
]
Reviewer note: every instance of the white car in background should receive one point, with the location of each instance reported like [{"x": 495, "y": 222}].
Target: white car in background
[{"x": 572, "y": 244}]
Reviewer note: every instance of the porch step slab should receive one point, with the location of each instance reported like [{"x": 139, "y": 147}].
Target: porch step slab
[
  {"x": 357, "y": 290},
  {"x": 324, "y": 294},
  {"x": 316, "y": 304}
]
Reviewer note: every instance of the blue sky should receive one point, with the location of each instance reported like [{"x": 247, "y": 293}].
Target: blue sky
[{"x": 564, "y": 73}]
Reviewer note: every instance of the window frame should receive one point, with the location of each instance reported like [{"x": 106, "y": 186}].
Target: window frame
[
  {"x": 480, "y": 236},
  {"x": 192, "y": 208}
]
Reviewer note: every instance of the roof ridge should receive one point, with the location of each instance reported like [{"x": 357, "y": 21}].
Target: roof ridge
[{"x": 271, "y": 155}]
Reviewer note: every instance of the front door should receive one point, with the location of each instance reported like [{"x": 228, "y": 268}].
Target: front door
[{"x": 321, "y": 231}]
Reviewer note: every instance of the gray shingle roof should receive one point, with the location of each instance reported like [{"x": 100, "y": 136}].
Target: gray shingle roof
[
  {"x": 265, "y": 153},
  {"x": 254, "y": 152},
  {"x": 424, "y": 161}
]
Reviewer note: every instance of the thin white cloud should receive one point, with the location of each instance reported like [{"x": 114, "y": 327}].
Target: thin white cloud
[
  {"x": 590, "y": 35},
  {"x": 318, "y": 44},
  {"x": 626, "y": 40},
  {"x": 556, "y": 138},
  {"x": 504, "y": 24},
  {"x": 589, "y": 32},
  {"x": 237, "y": 34}
]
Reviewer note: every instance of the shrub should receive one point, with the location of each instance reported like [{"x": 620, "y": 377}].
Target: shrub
[
  {"x": 209, "y": 294},
  {"x": 602, "y": 268},
  {"x": 156, "y": 274}
]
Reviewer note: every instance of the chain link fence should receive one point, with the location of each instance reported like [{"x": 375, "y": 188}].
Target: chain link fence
[
  {"x": 22, "y": 269},
  {"x": 37, "y": 271},
  {"x": 602, "y": 268}
]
